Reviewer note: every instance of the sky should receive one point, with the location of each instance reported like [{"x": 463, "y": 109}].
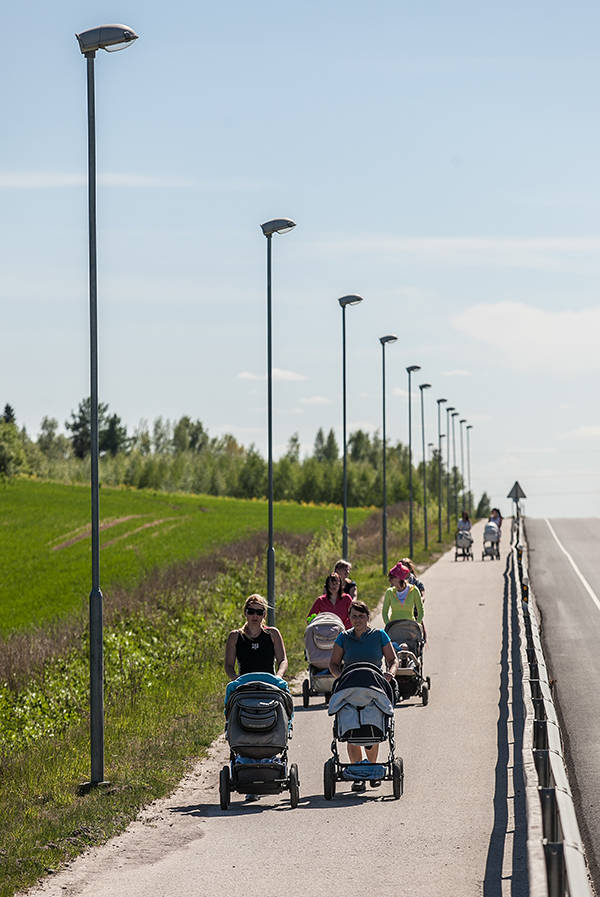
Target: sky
[{"x": 440, "y": 160}]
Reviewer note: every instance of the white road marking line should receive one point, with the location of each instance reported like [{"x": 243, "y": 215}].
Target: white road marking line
[{"x": 584, "y": 581}]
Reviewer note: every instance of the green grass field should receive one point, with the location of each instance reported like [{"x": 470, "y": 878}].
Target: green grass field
[{"x": 46, "y": 550}]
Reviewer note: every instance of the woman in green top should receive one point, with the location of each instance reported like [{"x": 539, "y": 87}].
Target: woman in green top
[{"x": 402, "y": 601}]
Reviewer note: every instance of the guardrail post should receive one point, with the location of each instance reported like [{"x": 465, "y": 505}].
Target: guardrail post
[
  {"x": 555, "y": 866},
  {"x": 540, "y": 735},
  {"x": 550, "y": 814},
  {"x": 542, "y": 766}
]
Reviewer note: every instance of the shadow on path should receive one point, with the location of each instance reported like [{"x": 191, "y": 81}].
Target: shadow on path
[{"x": 503, "y": 819}]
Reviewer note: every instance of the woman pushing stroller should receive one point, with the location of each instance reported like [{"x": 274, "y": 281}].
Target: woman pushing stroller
[
  {"x": 361, "y": 644},
  {"x": 256, "y": 647},
  {"x": 402, "y": 601}
]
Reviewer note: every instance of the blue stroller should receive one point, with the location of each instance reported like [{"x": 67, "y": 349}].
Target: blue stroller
[
  {"x": 362, "y": 704},
  {"x": 259, "y": 710}
]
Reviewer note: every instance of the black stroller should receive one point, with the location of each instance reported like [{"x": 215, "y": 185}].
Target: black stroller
[
  {"x": 259, "y": 713},
  {"x": 362, "y": 704},
  {"x": 409, "y": 676}
]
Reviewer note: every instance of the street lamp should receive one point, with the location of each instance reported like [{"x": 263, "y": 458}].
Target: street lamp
[
  {"x": 440, "y": 402},
  {"x": 449, "y": 408},
  {"x": 344, "y": 301},
  {"x": 423, "y": 387},
  {"x": 469, "y": 427},
  {"x": 454, "y": 468},
  {"x": 462, "y": 460},
  {"x": 383, "y": 340},
  {"x": 413, "y": 368},
  {"x": 110, "y": 38},
  {"x": 277, "y": 226}
]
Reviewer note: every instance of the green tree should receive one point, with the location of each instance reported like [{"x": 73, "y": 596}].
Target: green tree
[
  {"x": 8, "y": 415},
  {"x": 80, "y": 426},
  {"x": 12, "y": 452},
  {"x": 293, "y": 449},
  {"x": 484, "y": 507},
  {"x": 331, "y": 449},
  {"x": 319, "y": 447},
  {"x": 113, "y": 438},
  {"x": 162, "y": 438},
  {"x": 52, "y": 444}
]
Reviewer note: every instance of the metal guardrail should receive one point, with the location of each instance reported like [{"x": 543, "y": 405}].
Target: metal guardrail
[{"x": 555, "y": 855}]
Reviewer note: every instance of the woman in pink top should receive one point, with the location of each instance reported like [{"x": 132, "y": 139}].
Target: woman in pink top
[{"x": 333, "y": 601}]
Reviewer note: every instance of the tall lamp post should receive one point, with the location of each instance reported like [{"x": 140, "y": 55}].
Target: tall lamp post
[
  {"x": 344, "y": 301},
  {"x": 440, "y": 402},
  {"x": 106, "y": 37},
  {"x": 384, "y": 340},
  {"x": 410, "y": 370},
  {"x": 276, "y": 226},
  {"x": 462, "y": 462},
  {"x": 454, "y": 467},
  {"x": 469, "y": 427},
  {"x": 423, "y": 387},
  {"x": 449, "y": 408}
]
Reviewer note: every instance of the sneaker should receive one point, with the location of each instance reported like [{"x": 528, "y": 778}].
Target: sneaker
[
  {"x": 359, "y": 786},
  {"x": 252, "y": 797},
  {"x": 375, "y": 783}
]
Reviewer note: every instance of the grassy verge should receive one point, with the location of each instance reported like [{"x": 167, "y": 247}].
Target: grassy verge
[{"x": 164, "y": 689}]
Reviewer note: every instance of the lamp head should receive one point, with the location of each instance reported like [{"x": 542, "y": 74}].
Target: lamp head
[
  {"x": 278, "y": 226},
  {"x": 423, "y": 386},
  {"x": 455, "y": 413},
  {"x": 388, "y": 339},
  {"x": 350, "y": 300},
  {"x": 463, "y": 421},
  {"x": 441, "y": 401},
  {"x": 469, "y": 426},
  {"x": 106, "y": 37},
  {"x": 450, "y": 408},
  {"x": 413, "y": 367}
]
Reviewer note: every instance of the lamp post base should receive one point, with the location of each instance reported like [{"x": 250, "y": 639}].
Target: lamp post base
[{"x": 86, "y": 787}]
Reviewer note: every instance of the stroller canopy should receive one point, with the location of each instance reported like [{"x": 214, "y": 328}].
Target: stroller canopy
[
  {"x": 408, "y": 631},
  {"x": 319, "y": 638}
]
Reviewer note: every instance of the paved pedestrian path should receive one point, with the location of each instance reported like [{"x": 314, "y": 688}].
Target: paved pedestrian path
[{"x": 459, "y": 829}]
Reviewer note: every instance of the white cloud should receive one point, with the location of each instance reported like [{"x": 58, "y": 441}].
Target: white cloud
[
  {"x": 316, "y": 400},
  {"x": 581, "y": 433},
  {"x": 279, "y": 376},
  {"x": 398, "y": 391},
  {"x": 457, "y": 373},
  {"x": 535, "y": 338},
  {"x": 546, "y": 254}
]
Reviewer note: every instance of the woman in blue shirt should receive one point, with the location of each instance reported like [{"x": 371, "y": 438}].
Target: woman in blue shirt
[{"x": 361, "y": 644}]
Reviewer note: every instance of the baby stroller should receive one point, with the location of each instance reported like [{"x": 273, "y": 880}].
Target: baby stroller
[
  {"x": 409, "y": 675},
  {"x": 319, "y": 637},
  {"x": 259, "y": 710},
  {"x": 491, "y": 541},
  {"x": 362, "y": 704},
  {"x": 463, "y": 546}
]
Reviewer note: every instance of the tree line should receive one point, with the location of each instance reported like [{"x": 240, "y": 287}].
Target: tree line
[{"x": 182, "y": 456}]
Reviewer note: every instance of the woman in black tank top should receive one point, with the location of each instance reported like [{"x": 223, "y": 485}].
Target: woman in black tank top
[{"x": 256, "y": 648}]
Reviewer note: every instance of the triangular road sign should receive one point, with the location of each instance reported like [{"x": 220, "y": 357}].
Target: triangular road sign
[{"x": 516, "y": 492}]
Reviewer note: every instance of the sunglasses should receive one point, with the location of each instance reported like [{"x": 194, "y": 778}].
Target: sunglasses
[{"x": 258, "y": 611}]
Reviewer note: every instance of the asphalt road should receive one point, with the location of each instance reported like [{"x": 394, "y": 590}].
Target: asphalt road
[
  {"x": 459, "y": 829},
  {"x": 571, "y": 636}
]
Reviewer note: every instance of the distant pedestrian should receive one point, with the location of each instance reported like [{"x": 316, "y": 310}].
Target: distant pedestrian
[
  {"x": 412, "y": 579},
  {"x": 333, "y": 601},
  {"x": 402, "y": 601},
  {"x": 342, "y": 568}
]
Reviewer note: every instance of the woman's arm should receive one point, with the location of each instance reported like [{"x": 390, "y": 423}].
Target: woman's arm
[
  {"x": 391, "y": 660},
  {"x": 280, "y": 655},
  {"x": 335, "y": 661},
  {"x": 387, "y": 601},
  {"x": 418, "y": 603},
  {"x": 230, "y": 654}
]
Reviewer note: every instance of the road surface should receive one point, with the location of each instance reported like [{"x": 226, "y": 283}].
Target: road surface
[
  {"x": 571, "y": 637},
  {"x": 458, "y": 830}
]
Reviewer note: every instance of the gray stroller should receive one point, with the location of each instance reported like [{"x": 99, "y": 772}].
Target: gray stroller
[
  {"x": 409, "y": 675},
  {"x": 259, "y": 710},
  {"x": 491, "y": 542},
  {"x": 463, "y": 546},
  {"x": 319, "y": 638}
]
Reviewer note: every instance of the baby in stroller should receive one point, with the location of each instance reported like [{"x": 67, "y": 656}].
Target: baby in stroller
[{"x": 259, "y": 711}]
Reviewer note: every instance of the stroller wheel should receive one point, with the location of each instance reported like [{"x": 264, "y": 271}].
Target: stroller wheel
[
  {"x": 425, "y": 695},
  {"x": 398, "y": 777},
  {"x": 329, "y": 779},
  {"x": 428, "y": 681},
  {"x": 224, "y": 787},
  {"x": 294, "y": 786},
  {"x": 305, "y": 693}
]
